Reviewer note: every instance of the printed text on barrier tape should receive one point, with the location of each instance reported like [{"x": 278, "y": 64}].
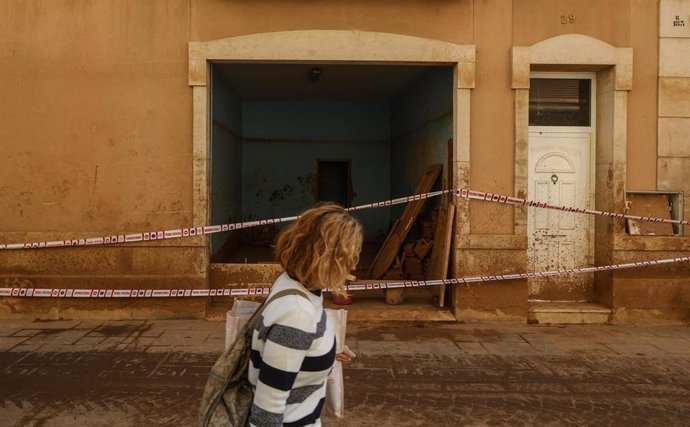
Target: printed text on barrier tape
[
  {"x": 211, "y": 229},
  {"x": 177, "y": 293},
  {"x": 198, "y": 231},
  {"x": 498, "y": 198}
]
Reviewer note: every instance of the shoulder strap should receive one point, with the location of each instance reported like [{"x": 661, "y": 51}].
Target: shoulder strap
[
  {"x": 272, "y": 297},
  {"x": 281, "y": 294}
]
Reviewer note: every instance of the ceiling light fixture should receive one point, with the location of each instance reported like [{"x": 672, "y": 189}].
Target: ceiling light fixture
[{"x": 315, "y": 74}]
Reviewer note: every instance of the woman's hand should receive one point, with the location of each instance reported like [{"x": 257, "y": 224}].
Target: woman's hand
[{"x": 346, "y": 356}]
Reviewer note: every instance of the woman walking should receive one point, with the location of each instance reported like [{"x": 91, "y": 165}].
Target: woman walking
[{"x": 293, "y": 345}]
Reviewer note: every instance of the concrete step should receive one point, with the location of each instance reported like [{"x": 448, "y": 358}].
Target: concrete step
[
  {"x": 233, "y": 276},
  {"x": 419, "y": 304},
  {"x": 570, "y": 313}
]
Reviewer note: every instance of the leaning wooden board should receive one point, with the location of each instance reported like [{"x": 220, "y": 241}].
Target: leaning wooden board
[
  {"x": 440, "y": 253},
  {"x": 398, "y": 233}
]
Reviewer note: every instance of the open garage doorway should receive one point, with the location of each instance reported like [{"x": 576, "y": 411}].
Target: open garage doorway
[{"x": 285, "y": 136}]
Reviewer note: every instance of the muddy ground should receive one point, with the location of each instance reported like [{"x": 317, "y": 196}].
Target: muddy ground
[{"x": 407, "y": 374}]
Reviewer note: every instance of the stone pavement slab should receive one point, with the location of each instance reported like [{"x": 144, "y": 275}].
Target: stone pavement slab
[{"x": 407, "y": 374}]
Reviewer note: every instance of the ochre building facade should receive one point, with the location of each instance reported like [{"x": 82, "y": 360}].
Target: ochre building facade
[{"x": 126, "y": 116}]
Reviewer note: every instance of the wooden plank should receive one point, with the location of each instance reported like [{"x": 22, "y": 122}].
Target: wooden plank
[
  {"x": 398, "y": 233},
  {"x": 408, "y": 249},
  {"x": 440, "y": 254},
  {"x": 413, "y": 267},
  {"x": 422, "y": 248}
]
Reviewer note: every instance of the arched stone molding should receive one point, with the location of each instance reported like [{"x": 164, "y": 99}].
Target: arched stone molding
[
  {"x": 341, "y": 46},
  {"x": 572, "y": 50},
  {"x": 328, "y": 46},
  {"x": 613, "y": 67}
]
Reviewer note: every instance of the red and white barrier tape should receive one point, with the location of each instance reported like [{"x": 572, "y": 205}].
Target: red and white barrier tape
[
  {"x": 499, "y": 277},
  {"x": 176, "y": 293},
  {"x": 498, "y": 198},
  {"x": 197, "y": 231},
  {"x": 194, "y": 231},
  {"x": 212, "y": 229}
]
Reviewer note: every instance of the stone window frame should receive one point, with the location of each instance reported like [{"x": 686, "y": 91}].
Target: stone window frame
[{"x": 327, "y": 46}]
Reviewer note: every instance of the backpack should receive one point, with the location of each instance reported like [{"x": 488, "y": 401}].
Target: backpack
[{"x": 228, "y": 395}]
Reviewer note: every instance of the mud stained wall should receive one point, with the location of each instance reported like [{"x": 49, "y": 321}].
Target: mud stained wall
[
  {"x": 284, "y": 139},
  {"x": 226, "y": 162},
  {"x": 661, "y": 294},
  {"x": 490, "y": 245},
  {"x": 95, "y": 139},
  {"x": 674, "y": 101},
  {"x": 94, "y": 98},
  {"x": 492, "y": 127},
  {"x": 421, "y": 125}
]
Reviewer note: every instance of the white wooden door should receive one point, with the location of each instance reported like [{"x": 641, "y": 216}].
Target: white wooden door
[{"x": 559, "y": 173}]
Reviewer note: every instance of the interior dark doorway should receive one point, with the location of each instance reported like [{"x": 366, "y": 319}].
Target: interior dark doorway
[{"x": 333, "y": 182}]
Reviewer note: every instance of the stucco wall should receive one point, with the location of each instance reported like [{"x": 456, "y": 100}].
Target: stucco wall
[
  {"x": 95, "y": 139},
  {"x": 663, "y": 294},
  {"x": 216, "y": 19},
  {"x": 642, "y": 123},
  {"x": 674, "y": 100}
]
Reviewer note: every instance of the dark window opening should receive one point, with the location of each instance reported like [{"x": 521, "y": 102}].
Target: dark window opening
[{"x": 560, "y": 102}]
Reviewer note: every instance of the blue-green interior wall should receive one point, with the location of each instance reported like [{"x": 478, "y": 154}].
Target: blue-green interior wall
[
  {"x": 283, "y": 140},
  {"x": 263, "y": 155},
  {"x": 226, "y": 160},
  {"x": 421, "y": 125}
]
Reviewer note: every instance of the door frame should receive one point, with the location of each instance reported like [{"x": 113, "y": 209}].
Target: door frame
[
  {"x": 592, "y": 131},
  {"x": 614, "y": 69}
]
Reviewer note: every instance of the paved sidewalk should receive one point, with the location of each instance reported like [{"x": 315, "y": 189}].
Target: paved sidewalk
[{"x": 407, "y": 374}]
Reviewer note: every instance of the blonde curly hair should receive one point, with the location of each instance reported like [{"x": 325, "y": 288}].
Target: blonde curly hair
[{"x": 321, "y": 247}]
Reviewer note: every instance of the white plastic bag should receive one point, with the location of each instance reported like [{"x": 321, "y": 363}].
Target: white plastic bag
[
  {"x": 335, "y": 387},
  {"x": 238, "y": 316},
  {"x": 335, "y": 391}
]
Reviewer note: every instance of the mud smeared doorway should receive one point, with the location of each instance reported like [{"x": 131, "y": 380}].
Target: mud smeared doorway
[{"x": 562, "y": 130}]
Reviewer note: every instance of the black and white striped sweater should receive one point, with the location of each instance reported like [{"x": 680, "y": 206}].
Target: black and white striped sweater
[{"x": 293, "y": 350}]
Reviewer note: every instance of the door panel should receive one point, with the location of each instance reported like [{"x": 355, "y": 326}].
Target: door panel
[
  {"x": 566, "y": 221},
  {"x": 559, "y": 171},
  {"x": 541, "y": 220}
]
